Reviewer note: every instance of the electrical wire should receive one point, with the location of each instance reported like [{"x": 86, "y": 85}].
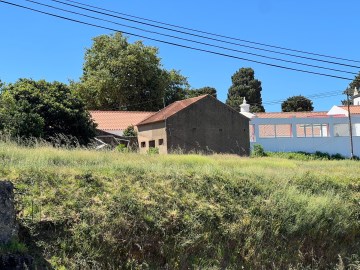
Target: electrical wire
[
  {"x": 176, "y": 44},
  {"x": 214, "y": 39},
  {"x": 312, "y": 97},
  {"x": 315, "y": 96},
  {"x": 193, "y": 41},
  {"x": 214, "y": 34}
]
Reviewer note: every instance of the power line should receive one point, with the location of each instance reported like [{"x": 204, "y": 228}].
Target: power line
[
  {"x": 193, "y": 41},
  {"x": 176, "y": 44},
  {"x": 217, "y": 35},
  {"x": 315, "y": 96},
  {"x": 213, "y": 39}
]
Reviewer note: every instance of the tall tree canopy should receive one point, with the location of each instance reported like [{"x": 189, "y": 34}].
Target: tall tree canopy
[
  {"x": 176, "y": 87},
  {"x": 207, "y": 90},
  {"x": 118, "y": 75},
  {"x": 245, "y": 85},
  {"x": 297, "y": 104},
  {"x": 41, "y": 109},
  {"x": 1, "y": 86}
]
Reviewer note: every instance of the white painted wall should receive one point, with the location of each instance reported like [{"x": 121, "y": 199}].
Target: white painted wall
[{"x": 332, "y": 144}]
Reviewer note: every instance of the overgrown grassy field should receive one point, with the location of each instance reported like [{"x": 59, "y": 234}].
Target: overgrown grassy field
[{"x": 83, "y": 209}]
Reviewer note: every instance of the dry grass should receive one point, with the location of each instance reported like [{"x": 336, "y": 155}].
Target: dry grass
[{"x": 112, "y": 210}]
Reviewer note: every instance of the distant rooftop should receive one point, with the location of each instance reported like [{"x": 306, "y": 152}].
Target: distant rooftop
[
  {"x": 118, "y": 120},
  {"x": 290, "y": 114}
]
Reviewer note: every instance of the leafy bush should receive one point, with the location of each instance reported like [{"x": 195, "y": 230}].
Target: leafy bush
[
  {"x": 122, "y": 148},
  {"x": 337, "y": 156},
  {"x": 42, "y": 109},
  {"x": 258, "y": 151},
  {"x": 322, "y": 155},
  {"x": 307, "y": 156}
]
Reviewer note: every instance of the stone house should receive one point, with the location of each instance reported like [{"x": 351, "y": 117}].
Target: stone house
[{"x": 200, "y": 124}]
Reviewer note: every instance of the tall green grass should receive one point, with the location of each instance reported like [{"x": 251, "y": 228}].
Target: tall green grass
[{"x": 108, "y": 210}]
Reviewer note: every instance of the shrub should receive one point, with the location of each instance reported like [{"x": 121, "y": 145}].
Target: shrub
[
  {"x": 337, "y": 156},
  {"x": 322, "y": 155},
  {"x": 258, "y": 151},
  {"x": 122, "y": 148}
]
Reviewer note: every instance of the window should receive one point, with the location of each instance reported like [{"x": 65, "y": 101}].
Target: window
[
  {"x": 312, "y": 130},
  {"x": 161, "y": 141},
  {"x": 275, "y": 131},
  {"x": 356, "y": 129},
  {"x": 143, "y": 144},
  {"x": 252, "y": 133},
  {"x": 283, "y": 131},
  {"x": 151, "y": 144},
  {"x": 267, "y": 131},
  {"x": 341, "y": 130}
]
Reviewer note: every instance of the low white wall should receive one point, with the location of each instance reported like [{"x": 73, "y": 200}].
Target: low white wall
[{"x": 332, "y": 144}]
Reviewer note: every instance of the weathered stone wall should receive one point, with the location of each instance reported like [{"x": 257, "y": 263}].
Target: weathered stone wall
[
  {"x": 9, "y": 230},
  {"x": 209, "y": 126},
  {"x": 8, "y": 225}
]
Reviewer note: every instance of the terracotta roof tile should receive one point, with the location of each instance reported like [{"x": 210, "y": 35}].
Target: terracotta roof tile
[
  {"x": 353, "y": 109},
  {"x": 117, "y": 120},
  {"x": 170, "y": 110},
  {"x": 291, "y": 114}
]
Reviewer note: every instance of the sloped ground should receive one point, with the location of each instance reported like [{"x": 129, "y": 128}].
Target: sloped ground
[{"x": 107, "y": 210}]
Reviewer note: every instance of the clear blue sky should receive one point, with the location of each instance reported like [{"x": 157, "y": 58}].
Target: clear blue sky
[{"x": 41, "y": 47}]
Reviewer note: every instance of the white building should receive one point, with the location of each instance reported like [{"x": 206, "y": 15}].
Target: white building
[{"x": 307, "y": 131}]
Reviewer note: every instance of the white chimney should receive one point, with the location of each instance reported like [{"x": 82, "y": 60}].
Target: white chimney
[
  {"x": 244, "y": 107},
  {"x": 356, "y": 97}
]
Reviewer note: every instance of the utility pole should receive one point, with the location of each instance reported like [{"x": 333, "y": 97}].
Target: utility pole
[{"x": 350, "y": 125}]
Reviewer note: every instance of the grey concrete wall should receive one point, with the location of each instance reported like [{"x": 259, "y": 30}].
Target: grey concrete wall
[{"x": 208, "y": 126}]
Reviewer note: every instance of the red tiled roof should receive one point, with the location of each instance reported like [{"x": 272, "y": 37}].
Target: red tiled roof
[
  {"x": 118, "y": 120},
  {"x": 291, "y": 114},
  {"x": 353, "y": 109},
  {"x": 170, "y": 110}
]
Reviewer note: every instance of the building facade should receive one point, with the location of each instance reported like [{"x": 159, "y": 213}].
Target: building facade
[
  {"x": 200, "y": 124},
  {"x": 307, "y": 131}
]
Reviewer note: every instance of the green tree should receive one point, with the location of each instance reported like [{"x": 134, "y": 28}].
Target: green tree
[
  {"x": 245, "y": 85},
  {"x": 297, "y": 104},
  {"x": 177, "y": 87},
  {"x": 351, "y": 88},
  {"x": 2, "y": 84},
  {"x": 120, "y": 75},
  {"x": 130, "y": 131},
  {"x": 43, "y": 109},
  {"x": 207, "y": 90}
]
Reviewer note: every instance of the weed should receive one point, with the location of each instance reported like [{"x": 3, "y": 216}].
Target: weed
[{"x": 153, "y": 151}]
